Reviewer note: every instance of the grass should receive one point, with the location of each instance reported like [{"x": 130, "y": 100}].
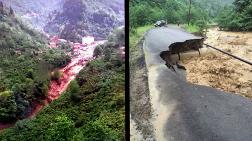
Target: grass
[
  {"x": 137, "y": 35},
  {"x": 191, "y": 28}
]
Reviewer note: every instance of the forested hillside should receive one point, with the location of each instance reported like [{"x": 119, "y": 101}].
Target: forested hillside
[
  {"x": 237, "y": 17},
  {"x": 24, "y": 67},
  {"x": 34, "y": 12},
  {"x": 92, "y": 108},
  {"x": 174, "y": 11},
  {"x": 79, "y": 18},
  {"x": 71, "y": 19}
]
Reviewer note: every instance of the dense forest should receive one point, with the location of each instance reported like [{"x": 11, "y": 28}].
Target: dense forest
[
  {"x": 78, "y": 18},
  {"x": 173, "y": 11},
  {"x": 92, "y": 108},
  {"x": 227, "y": 14},
  {"x": 237, "y": 17},
  {"x": 24, "y": 67}
]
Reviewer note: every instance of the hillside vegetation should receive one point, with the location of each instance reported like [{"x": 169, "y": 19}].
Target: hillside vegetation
[
  {"x": 92, "y": 108},
  {"x": 237, "y": 17},
  {"x": 173, "y": 11},
  {"x": 71, "y": 19},
  {"x": 24, "y": 67},
  {"x": 79, "y": 18}
]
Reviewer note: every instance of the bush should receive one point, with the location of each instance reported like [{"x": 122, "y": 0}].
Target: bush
[
  {"x": 56, "y": 75},
  {"x": 97, "y": 51},
  {"x": 237, "y": 18},
  {"x": 107, "y": 53},
  {"x": 8, "y": 106},
  {"x": 74, "y": 90}
]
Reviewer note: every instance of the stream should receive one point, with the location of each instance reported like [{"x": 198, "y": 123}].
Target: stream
[{"x": 69, "y": 72}]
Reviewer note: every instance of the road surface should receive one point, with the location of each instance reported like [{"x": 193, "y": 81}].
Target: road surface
[{"x": 188, "y": 112}]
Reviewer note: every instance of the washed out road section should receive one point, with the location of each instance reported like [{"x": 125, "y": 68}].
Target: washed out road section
[{"x": 189, "y": 112}]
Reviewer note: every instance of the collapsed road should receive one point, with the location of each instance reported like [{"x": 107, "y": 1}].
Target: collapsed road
[{"x": 185, "y": 111}]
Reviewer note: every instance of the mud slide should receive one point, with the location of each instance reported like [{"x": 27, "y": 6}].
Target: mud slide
[
  {"x": 220, "y": 71},
  {"x": 189, "y": 112}
]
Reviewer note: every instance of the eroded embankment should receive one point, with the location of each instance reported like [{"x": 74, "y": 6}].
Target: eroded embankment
[
  {"x": 189, "y": 112},
  {"x": 220, "y": 71},
  {"x": 140, "y": 106}
]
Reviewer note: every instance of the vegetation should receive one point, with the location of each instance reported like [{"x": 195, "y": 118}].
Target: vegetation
[
  {"x": 78, "y": 18},
  {"x": 92, "y": 108},
  {"x": 134, "y": 39},
  {"x": 237, "y": 17},
  {"x": 148, "y": 12},
  {"x": 24, "y": 66},
  {"x": 136, "y": 34}
]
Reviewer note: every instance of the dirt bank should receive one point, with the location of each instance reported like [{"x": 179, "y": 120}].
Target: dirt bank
[
  {"x": 140, "y": 107},
  {"x": 219, "y": 70}
]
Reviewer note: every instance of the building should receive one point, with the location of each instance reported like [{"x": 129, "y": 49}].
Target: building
[{"x": 87, "y": 40}]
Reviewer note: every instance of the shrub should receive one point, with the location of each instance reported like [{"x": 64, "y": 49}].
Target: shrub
[
  {"x": 8, "y": 106},
  {"x": 97, "y": 51},
  {"x": 56, "y": 75}
]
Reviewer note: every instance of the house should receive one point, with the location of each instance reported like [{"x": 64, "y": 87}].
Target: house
[{"x": 87, "y": 40}]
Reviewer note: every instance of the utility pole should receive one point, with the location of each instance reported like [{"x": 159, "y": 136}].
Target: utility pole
[{"x": 189, "y": 13}]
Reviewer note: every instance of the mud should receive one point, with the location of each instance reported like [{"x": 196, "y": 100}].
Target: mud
[{"x": 219, "y": 70}]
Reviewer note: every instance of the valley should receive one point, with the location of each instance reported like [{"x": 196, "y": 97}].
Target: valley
[{"x": 49, "y": 68}]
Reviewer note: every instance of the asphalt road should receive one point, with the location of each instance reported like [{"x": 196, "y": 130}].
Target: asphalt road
[{"x": 188, "y": 112}]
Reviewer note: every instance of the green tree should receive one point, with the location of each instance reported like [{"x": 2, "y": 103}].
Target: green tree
[
  {"x": 97, "y": 51},
  {"x": 8, "y": 106}
]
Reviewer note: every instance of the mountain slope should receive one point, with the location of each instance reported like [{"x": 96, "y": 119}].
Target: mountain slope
[
  {"x": 24, "y": 67},
  {"x": 34, "y": 12},
  {"x": 79, "y": 18},
  {"x": 71, "y": 19},
  {"x": 92, "y": 108}
]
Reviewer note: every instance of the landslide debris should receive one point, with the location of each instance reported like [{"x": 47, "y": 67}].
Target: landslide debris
[{"x": 219, "y": 70}]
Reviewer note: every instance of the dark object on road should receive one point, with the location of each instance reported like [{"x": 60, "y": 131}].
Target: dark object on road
[{"x": 160, "y": 23}]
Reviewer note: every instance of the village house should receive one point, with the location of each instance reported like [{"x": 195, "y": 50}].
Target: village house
[{"x": 87, "y": 40}]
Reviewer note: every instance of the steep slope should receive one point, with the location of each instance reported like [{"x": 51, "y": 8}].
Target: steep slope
[
  {"x": 71, "y": 19},
  {"x": 34, "y": 12},
  {"x": 24, "y": 67},
  {"x": 92, "y": 108},
  {"x": 79, "y": 18}
]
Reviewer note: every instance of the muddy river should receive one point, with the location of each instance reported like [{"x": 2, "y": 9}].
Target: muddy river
[{"x": 220, "y": 71}]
